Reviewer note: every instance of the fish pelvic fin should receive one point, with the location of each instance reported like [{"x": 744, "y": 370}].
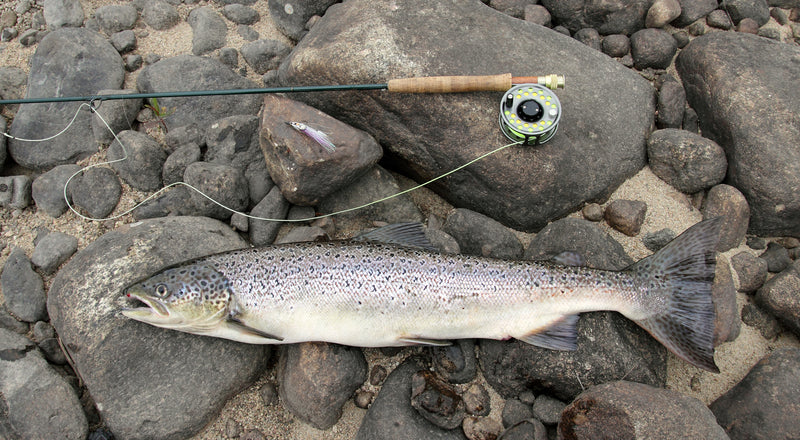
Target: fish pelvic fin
[{"x": 679, "y": 278}]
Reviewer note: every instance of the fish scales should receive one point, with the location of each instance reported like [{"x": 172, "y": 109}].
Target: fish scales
[{"x": 374, "y": 294}]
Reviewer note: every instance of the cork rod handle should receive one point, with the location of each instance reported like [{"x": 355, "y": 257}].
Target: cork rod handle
[{"x": 451, "y": 84}]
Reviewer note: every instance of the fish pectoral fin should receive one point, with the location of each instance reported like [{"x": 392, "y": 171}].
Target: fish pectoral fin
[
  {"x": 423, "y": 341},
  {"x": 561, "y": 335},
  {"x": 239, "y": 326}
]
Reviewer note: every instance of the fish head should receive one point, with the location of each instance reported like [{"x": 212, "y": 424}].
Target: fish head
[{"x": 194, "y": 298}]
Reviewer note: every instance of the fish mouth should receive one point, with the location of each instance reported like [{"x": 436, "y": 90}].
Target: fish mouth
[{"x": 152, "y": 309}]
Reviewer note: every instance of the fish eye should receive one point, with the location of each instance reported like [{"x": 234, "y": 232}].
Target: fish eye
[{"x": 162, "y": 290}]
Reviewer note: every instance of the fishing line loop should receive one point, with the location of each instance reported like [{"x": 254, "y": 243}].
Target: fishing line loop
[{"x": 94, "y": 109}]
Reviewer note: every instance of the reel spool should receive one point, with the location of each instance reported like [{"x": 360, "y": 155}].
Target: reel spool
[{"x": 529, "y": 113}]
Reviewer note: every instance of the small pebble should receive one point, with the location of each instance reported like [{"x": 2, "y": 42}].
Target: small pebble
[
  {"x": 592, "y": 212},
  {"x": 232, "y": 429},
  {"x": 481, "y": 428},
  {"x": 268, "y": 393},
  {"x": 767, "y": 325},
  {"x": 252, "y": 434},
  {"x": 377, "y": 375},
  {"x": 514, "y": 412},
  {"x": 363, "y": 398},
  {"x": 548, "y": 409},
  {"x": 43, "y": 330},
  {"x": 476, "y": 400},
  {"x": 626, "y": 216}
]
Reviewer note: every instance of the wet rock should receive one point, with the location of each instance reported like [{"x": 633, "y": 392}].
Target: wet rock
[
  {"x": 726, "y": 313},
  {"x": 726, "y": 201},
  {"x": 52, "y": 250},
  {"x": 234, "y": 141},
  {"x": 611, "y": 17},
  {"x": 514, "y": 412},
  {"x": 548, "y": 410},
  {"x": 63, "y": 13},
  {"x": 589, "y": 37},
  {"x": 476, "y": 400},
  {"x": 187, "y": 72},
  {"x": 685, "y": 160},
  {"x": 176, "y": 163},
  {"x": 456, "y": 363},
  {"x": 764, "y": 405},
  {"x": 116, "y": 18},
  {"x": 208, "y": 30},
  {"x": 750, "y": 270},
  {"x": 222, "y": 183},
  {"x": 264, "y": 55},
  {"x": 757, "y": 10},
  {"x": 375, "y": 184},
  {"x": 391, "y": 416},
  {"x": 124, "y": 41},
  {"x": 291, "y": 16},
  {"x": 304, "y": 170},
  {"x": 626, "y": 216},
  {"x": 96, "y": 190},
  {"x": 436, "y": 401},
  {"x": 652, "y": 48},
  {"x": 240, "y": 14},
  {"x": 693, "y": 10},
  {"x": 779, "y": 297},
  {"x": 671, "y": 104},
  {"x": 478, "y": 234},
  {"x": 54, "y": 69},
  {"x": 662, "y": 12},
  {"x": 23, "y": 288},
  {"x": 767, "y": 325},
  {"x": 15, "y": 191},
  {"x": 84, "y": 302},
  {"x": 752, "y": 145},
  {"x": 47, "y": 190},
  {"x": 777, "y": 258},
  {"x": 517, "y": 186},
  {"x": 316, "y": 379},
  {"x": 628, "y": 410},
  {"x": 37, "y": 401},
  {"x": 616, "y": 45},
  {"x": 160, "y": 15},
  {"x": 143, "y": 160},
  {"x": 119, "y": 114},
  {"x": 530, "y": 429},
  {"x": 263, "y": 232}
]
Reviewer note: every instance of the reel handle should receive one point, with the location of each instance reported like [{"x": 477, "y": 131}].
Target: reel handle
[{"x": 459, "y": 84}]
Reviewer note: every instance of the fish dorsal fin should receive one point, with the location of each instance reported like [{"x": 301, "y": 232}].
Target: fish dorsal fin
[
  {"x": 411, "y": 234},
  {"x": 424, "y": 341},
  {"x": 239, "y": 326},
  {"x": 562, "y": 335}
]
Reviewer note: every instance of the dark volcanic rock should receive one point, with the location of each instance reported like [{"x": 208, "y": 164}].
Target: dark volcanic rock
[
  {"x": 291, "y": 16},
  {"x": 187, "y": 72},
  {"x": 779, "y": 297},
  {"x": 47, "y": 190},
  {"x": 96, "y": 190},
  {"x": 119, "y": 114},
  {"x": 222, "y": 183},
  {"x": 693, "y": 10},
  {"x": 766, "y": 403},
  {"x": 727, "y": 323},
  {"x": 477, "y": 234},
  {"x": 143, "y": 160},
  {"x": 685, "y": 160},
  {"x": 608, "y": 17},
  {"x": 147, "y": 382},
  {"x": 316, "y": 379},
  {"x": 208, "y": 30},
  {"x": 726, "y": 201},
  {"x": 627, "y": 411},
  {"x": 391, "y": 416},
  {"x": 652, "y": 48},
  {"x": 23, "y": 288},
  {"x": 303, "y": 169},
  {"x": 671, "y": 104},
  {"x": 68, "y": 62},
  {"x": 436, "y": 401},
  {"x": 590, "y": 156},
  {"x": 727, "y": 76},
  {"x": 583, "y": 237},
  {"x": 751, "y": 271}
]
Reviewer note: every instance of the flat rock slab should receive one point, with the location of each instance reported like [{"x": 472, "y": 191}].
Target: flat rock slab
[
  {"x": 68, "y": 62},
  {"x": 187, "y": 72},
  {"x": 607, "y": 109},
  {"x": 744, "y": 90},
  {"x": 147, "y": 382}
]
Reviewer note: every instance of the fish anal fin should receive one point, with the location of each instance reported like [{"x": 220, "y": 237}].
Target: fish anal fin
[
  {"x": 237, "y": 325},
  {"x": 424, "y": 341},
  {"x": 562, "y": 335}
]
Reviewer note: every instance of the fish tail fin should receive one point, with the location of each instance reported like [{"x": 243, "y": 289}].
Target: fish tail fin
[{"x": 679, "y": 278}]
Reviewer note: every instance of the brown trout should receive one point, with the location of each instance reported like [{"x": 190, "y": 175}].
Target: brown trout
[{"x": 380, "y": 291}]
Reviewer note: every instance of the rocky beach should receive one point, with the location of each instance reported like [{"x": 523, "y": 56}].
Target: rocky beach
[{"x": 673, "y": 112}]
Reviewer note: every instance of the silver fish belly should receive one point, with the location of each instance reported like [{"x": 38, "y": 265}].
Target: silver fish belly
[{"x": 375, "y": 294}]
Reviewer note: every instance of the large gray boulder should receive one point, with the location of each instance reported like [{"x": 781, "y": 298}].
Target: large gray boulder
[
  {"x": 744, "y": 90},
  {"x": 607, "y": 109},
  {"x": 147, "y": 382},
  {"x": 68, "y": 62}
]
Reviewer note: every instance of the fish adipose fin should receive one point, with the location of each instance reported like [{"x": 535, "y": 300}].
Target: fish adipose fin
[
  {"x": 562, "y": 335},
  {"x": 680, "y": 276}
]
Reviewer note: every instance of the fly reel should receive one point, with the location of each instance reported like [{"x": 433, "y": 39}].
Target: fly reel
[{"x": 529, "y": 114}]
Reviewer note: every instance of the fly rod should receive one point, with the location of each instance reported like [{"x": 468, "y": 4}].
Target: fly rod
[{"x": 429, "y": 84}]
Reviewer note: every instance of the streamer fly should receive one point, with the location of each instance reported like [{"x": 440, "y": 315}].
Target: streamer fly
[
  {"x": 318, "y": 136},
  {"x": 389, "y": 289}
]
